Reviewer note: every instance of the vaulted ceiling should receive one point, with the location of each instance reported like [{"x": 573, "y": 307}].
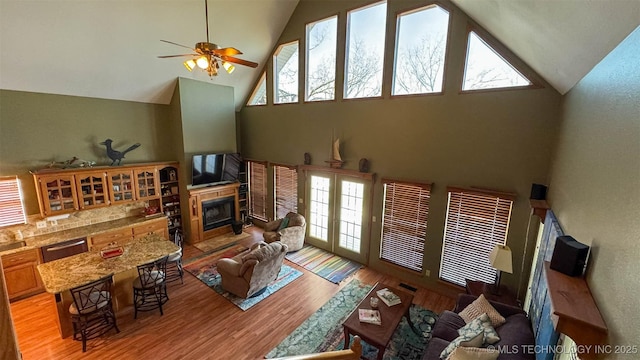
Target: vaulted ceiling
[{"x": 109, "y": 48}]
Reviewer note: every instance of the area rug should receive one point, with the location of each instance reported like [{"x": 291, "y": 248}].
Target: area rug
[
  {"x": 323, "y": 330},
  {"x": 323, "y": 263},
  {"x": 205, "y": 269},
  {"x": 220, "y": 242}
]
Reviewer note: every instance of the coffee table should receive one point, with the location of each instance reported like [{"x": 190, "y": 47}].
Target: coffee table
[{"x": 378, "y": 335}]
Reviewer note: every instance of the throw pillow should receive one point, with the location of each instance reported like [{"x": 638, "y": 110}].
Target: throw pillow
[
  {"x": 477, "y": 308},
  {"x": 482, "y": 321},
  {"x": 473, "y": 353},
  {"x": 283, "y": 224},
  {"x": 472, "y": 338}
]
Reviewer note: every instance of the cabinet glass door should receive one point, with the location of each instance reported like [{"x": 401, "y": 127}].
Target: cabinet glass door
[
  {"x": 121, "y": 187},
  {"x": 147, "y": 187},
  {"x": 92, "y": 188},
  {"x": 59, "y": 194}
]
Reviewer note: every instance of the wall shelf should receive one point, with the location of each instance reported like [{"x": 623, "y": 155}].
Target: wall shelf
[{"x": 574, "y": 311}]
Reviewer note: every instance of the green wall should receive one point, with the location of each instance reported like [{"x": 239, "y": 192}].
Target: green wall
[
  {"x": 595, "y": 184},
  {"x": 36, "y": 129},
  {"x": 491, "y": 139}
]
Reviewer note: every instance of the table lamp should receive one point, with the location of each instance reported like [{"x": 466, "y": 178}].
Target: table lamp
[{"x": 500, "y": 259}]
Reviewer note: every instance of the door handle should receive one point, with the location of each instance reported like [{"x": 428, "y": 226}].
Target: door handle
[{"x": 56, "y": 248}]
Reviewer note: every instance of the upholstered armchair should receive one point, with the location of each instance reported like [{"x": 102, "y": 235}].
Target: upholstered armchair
[
  {"x": 248, "y": 273},
  {"x": 290, "y": 230}
]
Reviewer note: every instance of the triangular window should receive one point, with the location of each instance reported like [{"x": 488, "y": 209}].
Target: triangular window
[
  {"x": 486, "y": 69},
  {"x": 259, "y": 96}
]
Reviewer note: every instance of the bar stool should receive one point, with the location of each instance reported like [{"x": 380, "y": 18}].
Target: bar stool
[
  {"x": 174, "y": 261},
  {"x": 150, "y": 287},
  {"x": 92, "y": 311}
]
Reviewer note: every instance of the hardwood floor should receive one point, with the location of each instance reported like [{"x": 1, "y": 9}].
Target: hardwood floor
[{"x": 197, "y": 323}]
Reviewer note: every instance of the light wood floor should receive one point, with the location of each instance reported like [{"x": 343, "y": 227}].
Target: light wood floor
[{"x": 197, "y": 323}]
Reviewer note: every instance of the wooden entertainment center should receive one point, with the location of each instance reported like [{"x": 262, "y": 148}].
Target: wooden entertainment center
[{"x": 197, "y": 197}]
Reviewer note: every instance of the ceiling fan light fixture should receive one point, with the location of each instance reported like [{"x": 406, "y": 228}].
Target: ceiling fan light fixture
[
  {"x": 228, "y": 67},
  {"x": 190, "y": 64},
  {"x": 202, "y": 62}
]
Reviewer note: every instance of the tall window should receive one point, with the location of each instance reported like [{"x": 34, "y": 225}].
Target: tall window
[
  {"x": 321, "y": 60},
  {"x": 365, "y": 51},
  {"x": 420, "y": 51},
  {"x": 258, "y": 190},
  {"x": 404, "y": 223},
  {"x": 486, "y": 69},
  {"x": 259, "y": 95},
  {"x": 285, "y": 190},
  {"x": 476, "y": 222},
  {"x": 285, "y": 69},
  {"x": 11, "y": 210}
]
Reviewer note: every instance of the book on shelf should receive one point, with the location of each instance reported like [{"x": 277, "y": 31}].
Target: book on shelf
[
  {"x": 388, "y": 297},
  {"x": 370, "y": 316}
]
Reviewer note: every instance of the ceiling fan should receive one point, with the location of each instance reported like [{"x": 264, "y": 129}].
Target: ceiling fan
[{"x": 207, "y": 55}]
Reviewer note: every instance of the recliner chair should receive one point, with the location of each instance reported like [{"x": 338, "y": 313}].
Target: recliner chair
[
  {"x": 291, "y": 233},
  {"x": 248, "y": 274}
]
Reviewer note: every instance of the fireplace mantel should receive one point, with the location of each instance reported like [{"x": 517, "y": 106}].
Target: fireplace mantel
[{"x": 200, "y": 195}]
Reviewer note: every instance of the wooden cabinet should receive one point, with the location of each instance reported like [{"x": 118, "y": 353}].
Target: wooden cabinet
[
  {"x": 21, "y": 273},
  {"x": 147, "y": 184},
  {"x": 67, "y": 190},
  {"x": 127, "y": 234},
  {"x": 92, "y": 190},
  {"x": 170, "y": 191},
  {"x": 151, "y": 227},
  {"x": 119, "y": 237},
  {"x": 121, "y": 186},
  {"x": 57, "y": 194}
]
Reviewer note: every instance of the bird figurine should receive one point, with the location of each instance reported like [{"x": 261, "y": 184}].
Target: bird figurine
[{"x": 116, "y": 155}]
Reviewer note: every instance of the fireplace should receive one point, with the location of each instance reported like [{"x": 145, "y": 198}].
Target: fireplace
[{"x": 218, "y": 212}]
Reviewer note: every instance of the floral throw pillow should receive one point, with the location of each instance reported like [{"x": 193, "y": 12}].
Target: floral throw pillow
[
  {"x": 483, "y": 321},
  {"x": 478, "y": 307}
]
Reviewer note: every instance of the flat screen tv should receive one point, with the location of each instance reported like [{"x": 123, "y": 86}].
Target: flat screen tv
[{"x": 212, "y": 169}]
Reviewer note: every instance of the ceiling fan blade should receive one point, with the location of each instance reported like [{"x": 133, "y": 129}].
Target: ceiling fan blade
[
  {"x": 227, "y": 51},
  {"x": 239, "y": 61},
  {"x": 184, "y": 46},
  {"x": 172, "y": 56}
]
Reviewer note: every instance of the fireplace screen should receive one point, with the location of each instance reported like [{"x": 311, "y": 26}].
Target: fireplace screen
[{"x": 216, "y": 213}]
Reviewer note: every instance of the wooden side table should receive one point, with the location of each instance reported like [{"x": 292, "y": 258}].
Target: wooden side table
[{"x": 476, "y": 288}]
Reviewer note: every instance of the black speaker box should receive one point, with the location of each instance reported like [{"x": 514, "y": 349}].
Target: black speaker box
[
  {"x": 569, "y": 256},
  {"x": 538, "y": 192}
]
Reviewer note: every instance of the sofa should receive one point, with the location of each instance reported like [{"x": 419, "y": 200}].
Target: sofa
[
  {"x": 248, "y": 274},
  {"x": 516, "y": 335},
  {"x": 289, "y": 230}
]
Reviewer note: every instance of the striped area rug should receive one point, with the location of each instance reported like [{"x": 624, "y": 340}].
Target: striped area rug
[{"x": 323, "y": 263}]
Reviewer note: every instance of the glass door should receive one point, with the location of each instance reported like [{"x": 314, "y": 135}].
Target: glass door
[{"x": 338, "y": 208}]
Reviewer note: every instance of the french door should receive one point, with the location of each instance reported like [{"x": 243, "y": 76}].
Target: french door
[{"x": 338, "y": 209}]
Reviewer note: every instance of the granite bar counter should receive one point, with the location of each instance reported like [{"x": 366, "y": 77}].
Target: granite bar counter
[
  {"x": 75, "y": 233},
  {"x": 61, "y": 275}
]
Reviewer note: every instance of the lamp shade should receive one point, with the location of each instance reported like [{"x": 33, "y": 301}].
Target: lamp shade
[{"x": 500, "y": 258}]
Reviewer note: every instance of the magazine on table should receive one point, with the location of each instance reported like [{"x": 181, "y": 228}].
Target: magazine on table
[
  {"x": 370, "y": 316},
  {"x": 388, "y": 297}
]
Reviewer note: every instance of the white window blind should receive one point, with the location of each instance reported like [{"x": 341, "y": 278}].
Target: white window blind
[
  {"x": 477, "y": 220},
  {"x": 11, "y": 209},
  {"x": 285, "y": 190},
  {"x": 258, "y": 190},
  {"x": 404, "y": 223}
]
